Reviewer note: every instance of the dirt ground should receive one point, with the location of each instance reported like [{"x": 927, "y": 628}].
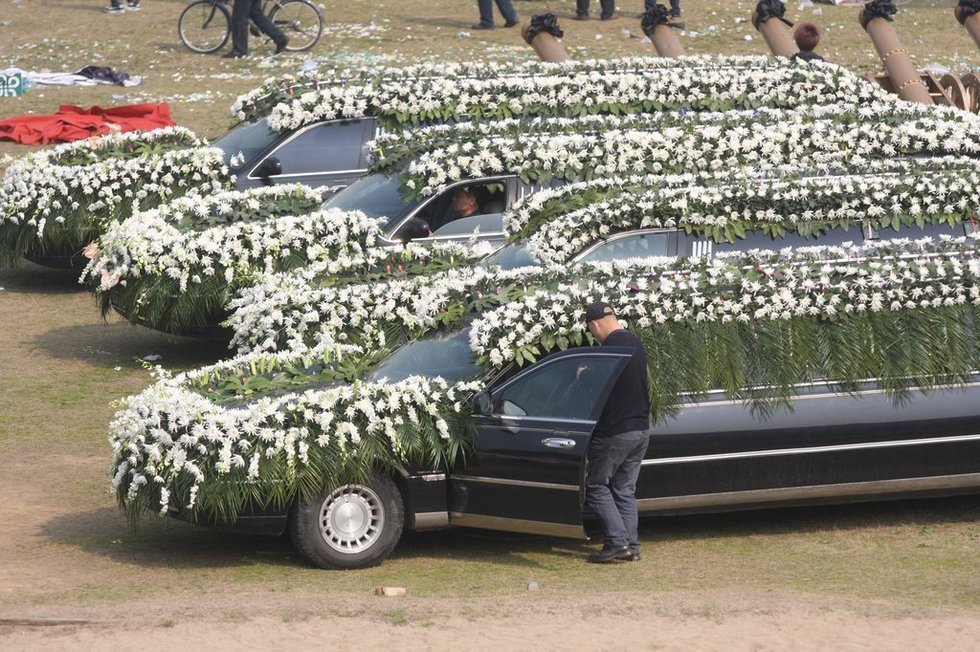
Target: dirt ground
[{"x": 633, "y": 622}]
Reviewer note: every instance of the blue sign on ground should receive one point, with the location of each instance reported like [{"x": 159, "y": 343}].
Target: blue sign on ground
[{"x": 12, "y": 85}]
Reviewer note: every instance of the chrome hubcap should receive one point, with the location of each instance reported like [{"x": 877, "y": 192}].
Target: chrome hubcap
[{"x": 351, "y": 518}]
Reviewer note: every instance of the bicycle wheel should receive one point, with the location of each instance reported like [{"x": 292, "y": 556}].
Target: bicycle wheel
[
  {"x": 300, "y": 20},
  {"x": 204, "y": 26}
]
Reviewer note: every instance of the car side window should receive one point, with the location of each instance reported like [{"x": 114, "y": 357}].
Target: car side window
[
  {"x": 463, "y": 201},
  {"x": 330, "y": 147},
  {"x": 642, "y": 245},
  {"x": 567, "y": 389},
  {"x": 461, "y": 210}
]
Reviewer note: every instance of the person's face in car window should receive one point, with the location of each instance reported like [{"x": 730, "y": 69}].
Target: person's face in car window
[{"x": 464, "y": 202}]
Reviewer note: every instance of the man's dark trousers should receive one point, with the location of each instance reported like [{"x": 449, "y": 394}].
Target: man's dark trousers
[
  {"x": 610, "y": 491},
  {"x": 608, "y": 8},
  {"x": 240, "y": 15},
  {"x": 486, "y": 11}
]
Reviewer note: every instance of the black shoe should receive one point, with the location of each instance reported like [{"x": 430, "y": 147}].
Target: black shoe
[
  {"x": 675, "y": 13},
  {"x": 609, "y": 554},
  {"x": 280, "y": 47},
  {"x": 580, "y": 17},
  {"x": 481, "y": 26},
  {"x": 633, "y": 554},
  {"x": 511, "y": 23},
  {"x": 234, "y": 55}
]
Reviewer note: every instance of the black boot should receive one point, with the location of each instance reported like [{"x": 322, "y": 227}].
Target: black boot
[{"x": 609, "y": 554}]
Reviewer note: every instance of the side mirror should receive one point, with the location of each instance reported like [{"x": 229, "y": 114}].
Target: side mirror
[
  {"x": 270, "y": 167},
  {"x": 413, "y": 229},
  {"x": 481, "y": 403}
]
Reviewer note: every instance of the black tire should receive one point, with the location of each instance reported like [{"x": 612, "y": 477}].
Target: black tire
[
  {"x": 300, "y": 20},
  {"x": 204, "y": 26},
  {"x": 355, "y": 526}
]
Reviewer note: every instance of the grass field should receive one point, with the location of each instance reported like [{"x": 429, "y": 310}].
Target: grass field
[{"x": 67, "y": 552}]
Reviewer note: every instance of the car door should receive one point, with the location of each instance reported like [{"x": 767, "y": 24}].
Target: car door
[
  {"x": 329, "y": 155},
  {"x": 527, "y": 469}
]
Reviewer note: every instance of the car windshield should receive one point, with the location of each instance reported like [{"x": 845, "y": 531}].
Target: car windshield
[
  {"x": 245, "y": 142},
  {"x": 376, "y": 195},
  {"x": 447, "y": 356},
  {"x": 510, "y": 256}
]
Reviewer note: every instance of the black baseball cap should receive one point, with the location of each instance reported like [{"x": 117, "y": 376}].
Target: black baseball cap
[{"x": 598, "y": 310}]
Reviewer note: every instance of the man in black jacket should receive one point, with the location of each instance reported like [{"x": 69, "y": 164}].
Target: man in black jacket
[
  {"x": 620, "y": 439},
  {"x": 241, "y": 12}
]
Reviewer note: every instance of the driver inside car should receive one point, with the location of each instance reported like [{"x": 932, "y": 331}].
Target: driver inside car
[{"x": 464, "y": 204}]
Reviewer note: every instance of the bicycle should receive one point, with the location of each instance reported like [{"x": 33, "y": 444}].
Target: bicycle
[{"x": 205, "y": 25}]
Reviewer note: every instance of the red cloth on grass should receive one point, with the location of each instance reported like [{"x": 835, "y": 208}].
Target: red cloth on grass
[{"x": 75, "y": 123}]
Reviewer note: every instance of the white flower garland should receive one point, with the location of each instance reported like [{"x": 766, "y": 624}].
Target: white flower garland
[
  {"x": 286, "y": 312},
  {"x": 159, "y": 241},
  {"x": 156, "y": 271},
  {"x": 170, "y": 441},
  {"x": 485, "y": 95},
  {"x": 274, "y": 90},
  {"x": 392, "y": 148},
  {"x": 79, "y": 175},
  {"x": 888, "y": 195},
  {"x": 552, "y": 203},
  {"x": 148, "y": 245},
  {"x": 73, "y": 190},
  {"x": 743, "y": 287},
  {"x": 795, "y": 139}
]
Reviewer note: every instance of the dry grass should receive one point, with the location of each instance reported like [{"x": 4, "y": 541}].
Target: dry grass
[{"x": 64, "y": 548}]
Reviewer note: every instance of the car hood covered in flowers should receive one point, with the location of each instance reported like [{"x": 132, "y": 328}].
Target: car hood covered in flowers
[{"x": 58, "y": 200}]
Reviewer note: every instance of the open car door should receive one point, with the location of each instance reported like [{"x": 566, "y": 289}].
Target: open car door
[{"x": 527, "y": 470}]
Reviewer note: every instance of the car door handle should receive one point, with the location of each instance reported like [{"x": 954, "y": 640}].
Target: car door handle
[{"x": 558, "y": 442}]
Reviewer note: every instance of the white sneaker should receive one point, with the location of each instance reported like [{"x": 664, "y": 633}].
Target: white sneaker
[
  {"x": 133, "y": 7},
  {"x": 114, "y": 10}
]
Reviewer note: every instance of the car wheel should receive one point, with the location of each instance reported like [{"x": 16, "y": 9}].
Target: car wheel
[{"x": 354, "y": 526}]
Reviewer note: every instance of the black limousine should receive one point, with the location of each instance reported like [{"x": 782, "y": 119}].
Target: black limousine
[{"x": 526, "y": 470}]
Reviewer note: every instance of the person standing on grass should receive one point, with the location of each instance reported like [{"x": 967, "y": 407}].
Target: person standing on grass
[
  {"x": 116, "y": 7},
  {"x": 486, "y": 13},
  {"x": 242, "y": 11},
  {"x": 619, "y": 442},
  {"x": 608, "y": 9}
]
